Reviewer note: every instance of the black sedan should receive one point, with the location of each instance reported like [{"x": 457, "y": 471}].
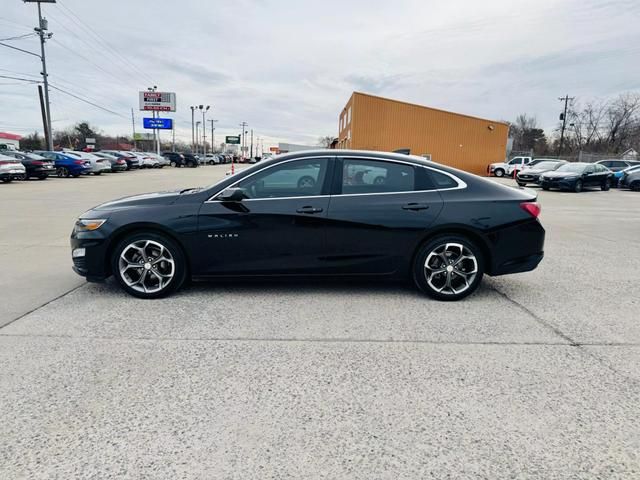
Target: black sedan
[
  {"x": 36, "y": 165},
  {"x": 532, "y": 175},
  {"x": 319, "y": 213},
  {"x": 576, "y": 176}
]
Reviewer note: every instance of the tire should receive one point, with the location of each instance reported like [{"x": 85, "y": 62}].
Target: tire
[
  {"x": 137, "y": 281},
  {"x": 635, "y": 186},
  {"x": 97, "y": 173},
  {"x": 441, "y": 273},
  {"x": 499, "y": 172},
  {"x": 77, "y": 175},
  {"x": 606, "y": 185},
  {"x": 211, "y": 162},
  {"x": 306, "y": 182},
  {"x": 7, "y": 180},
  {"x": 42, "y": 177},
  {"x": 63, "y": 172},
  {"x": 379, "y": 180},
  {"x": 522, "y": 184},
  {"x": 545, "y": 187},
  {"x": 578, "y": 186},
  {"x": 173, "y": 164}
]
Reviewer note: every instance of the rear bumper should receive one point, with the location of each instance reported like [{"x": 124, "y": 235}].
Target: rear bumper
[
  {"x": 518, "y": 248},
  {"x": 12, "y": 174},
  {"x": 518, "y": 265}
]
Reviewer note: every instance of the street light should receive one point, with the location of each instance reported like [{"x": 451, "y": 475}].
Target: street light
[
  {"x": 204, "y": 128},
  {"x": 193, "y": 138}
]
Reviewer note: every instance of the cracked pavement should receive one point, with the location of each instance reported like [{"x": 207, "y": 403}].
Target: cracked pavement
[{"x": 537, "y": 375}]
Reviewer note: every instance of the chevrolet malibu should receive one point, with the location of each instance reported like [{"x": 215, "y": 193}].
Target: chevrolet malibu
[{"x": 304, "y": 214}]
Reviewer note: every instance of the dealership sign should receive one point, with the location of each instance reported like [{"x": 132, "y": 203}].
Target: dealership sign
[
  {"x": 233, "y": 140},
  {"x": 158, "y": 123},
  {"x": 158, "y": 101}
]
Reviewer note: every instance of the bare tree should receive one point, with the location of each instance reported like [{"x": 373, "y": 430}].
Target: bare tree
[
  {"x": 326, "y": 141},
  {"x": 526, "y": 134}
]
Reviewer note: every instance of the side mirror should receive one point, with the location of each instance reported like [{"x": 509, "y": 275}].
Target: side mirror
[{"x": 232, "y": 195}]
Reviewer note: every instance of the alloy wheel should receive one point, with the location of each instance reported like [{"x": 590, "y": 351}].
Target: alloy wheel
[
  {"x": 146, "y": 266},
  {"x": 306, "y": 182},
  {"x": 450, "y": 268}
]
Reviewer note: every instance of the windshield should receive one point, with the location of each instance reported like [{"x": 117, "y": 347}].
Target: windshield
[
  {"x": 572, "y": 167},
  {"x": 546, "y": 165}
]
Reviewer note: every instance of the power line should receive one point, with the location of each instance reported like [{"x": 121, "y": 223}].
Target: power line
[
  {"x": 19, "y": 49},
  {"x": 18, "y": 37},
  {"x": 107, "y": 47},
  {"x": 21, "y": 79},
  {"x": 87, "y": 101}
]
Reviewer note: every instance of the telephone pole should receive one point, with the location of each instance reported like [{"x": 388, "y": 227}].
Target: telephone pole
[
  {"x": 213, "y": 137},
  {"x": 133, "y": 124},
  {"x": 563, "y": 117},
  {"x": 193, "y": 135},
  {"x": 251, "y": 154},
  {"x": 243, "y": 125},
  {"x": 41, "y": 30}
]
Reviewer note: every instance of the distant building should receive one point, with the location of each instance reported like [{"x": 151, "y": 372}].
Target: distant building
[
  {"x": 9, "y": 141},
  {"x": 292, "y": 147},
  {"x": 469, "y": 143}
]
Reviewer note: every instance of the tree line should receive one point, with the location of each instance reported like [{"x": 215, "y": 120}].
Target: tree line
[{"x": 599, "y": 126}]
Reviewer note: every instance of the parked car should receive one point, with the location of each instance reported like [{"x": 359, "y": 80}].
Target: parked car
[
  {"x": 175, "y": 159},
  {"x": 532, "y": 174},
  {"x": 191, "y": 160},
  {"x": 67, "y": 165},
  {"x": 11, "y": 168},
  {"x": 538, "y": 160},
  {"x": 421, "y": 224},
  {"x": 213, "y": 159},
  {"x": 133, "y": 161},
  {"x": 98, "y": 165},
  {"x": 162, "y": 162},
  {"x": 146, "y": 160},
  {"x": 35, "y": 165},
  {"x": 501, "y": 169},
  {"x": 576, "y": 176},
  {"x": 631, "y": 178},
  {"x": 118, "y": 164},
  {"x": 617, "y": 166}
]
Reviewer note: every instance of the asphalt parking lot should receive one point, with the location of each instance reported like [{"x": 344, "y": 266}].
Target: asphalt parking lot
[{"x": 537, "y": 375}]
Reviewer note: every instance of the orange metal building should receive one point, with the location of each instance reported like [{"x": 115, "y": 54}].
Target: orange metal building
[{"x": 469, "y": 143}]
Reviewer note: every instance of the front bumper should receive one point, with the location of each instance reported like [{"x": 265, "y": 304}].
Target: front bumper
[
  {"x": 561, "y": 183},
  {"x": 524, "y": 177},
  {"x": 91, "y": 264}
]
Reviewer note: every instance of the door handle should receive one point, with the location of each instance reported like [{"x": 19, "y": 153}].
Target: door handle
[
  {"x": 309, "y": 210},
  {"x": 415, "y": 206}
]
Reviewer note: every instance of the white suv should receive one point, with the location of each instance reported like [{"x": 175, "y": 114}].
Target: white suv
[{"x": 506, "y": 168}]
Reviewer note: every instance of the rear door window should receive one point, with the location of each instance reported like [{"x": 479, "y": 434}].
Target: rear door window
[{"x": 361, "y": 176}]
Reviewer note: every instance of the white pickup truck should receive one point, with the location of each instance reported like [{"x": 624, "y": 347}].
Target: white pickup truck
[{"x": 506, "y": 168}]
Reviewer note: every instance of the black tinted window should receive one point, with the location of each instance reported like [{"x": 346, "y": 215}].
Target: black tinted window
[
  {"x": 376, "y": 176},
  {"x": 291, "y": 179},
  {"x": 441, "y": 180}
]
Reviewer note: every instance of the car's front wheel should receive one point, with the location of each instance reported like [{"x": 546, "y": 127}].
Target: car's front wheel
[
  {"x": 499, "y": 172},
  {"x": 148, "y": 265},
  {"x": 522, "y": 184},
  {"x": 606, "y": 185},
  {"x": 578, "y": 186},
  {"x": 448, "y": 267}
]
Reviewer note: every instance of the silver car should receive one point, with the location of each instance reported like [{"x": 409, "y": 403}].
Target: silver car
[
  {"x": 11, "y": 169},
  {"x": 98, "y": 165}
]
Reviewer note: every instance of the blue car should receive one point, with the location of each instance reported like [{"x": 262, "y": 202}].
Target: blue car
[{"x": 66, "y": 165}]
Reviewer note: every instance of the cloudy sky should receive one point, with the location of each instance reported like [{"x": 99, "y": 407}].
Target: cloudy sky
[{"x": 287, "y": 67}]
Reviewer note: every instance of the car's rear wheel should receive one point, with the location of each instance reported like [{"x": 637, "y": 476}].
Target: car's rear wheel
[
  {"x": 522, "y": 184},
  {"x": 545, "y": 187},
  {"x": 42, "y": 177},
  {"x": 606, "y": 185},
  {"x": 499, "y": 172},
  {"x": 63, "y": 172},
  {"x": 148, "y": 265},
  {"x": 635, "y": 186},
  {"x": 448, "y": 267},
  {"x": 97, "y": 173},
  {"x": 578, "y": 186}
]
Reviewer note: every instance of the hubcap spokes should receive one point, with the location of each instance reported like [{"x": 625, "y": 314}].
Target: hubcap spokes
[
  {"x": 146, "y": 266},
  {"x": 450, "y": 268}
]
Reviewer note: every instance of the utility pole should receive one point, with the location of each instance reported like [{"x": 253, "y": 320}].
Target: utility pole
[
  {"x": 563, "y": 117},
  {"x": 213, "y": 136},
  {"x": 44, "y": 36},
  {"x": 197, "y": 135},
  {"x": 193, "y": 138},
  {"x": 243, "y": 125},
  {"x": 251, "y": 154},
  {"x": 204, "y": 129},
  {"x": 133, "y": 124},
  {"x": 43, "y": 110}
]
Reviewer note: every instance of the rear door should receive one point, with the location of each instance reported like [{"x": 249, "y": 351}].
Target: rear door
[{"x": 378, "y": 210}]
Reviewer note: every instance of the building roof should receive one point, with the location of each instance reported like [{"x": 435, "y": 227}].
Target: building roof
[
  {"x": 10, "y": 136},
  {"x": 428, "y": 108}
]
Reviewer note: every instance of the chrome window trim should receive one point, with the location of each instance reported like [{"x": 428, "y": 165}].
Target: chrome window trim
[
  {"x": 461, "y": 183},
  {"x": 267, "y": 168}
]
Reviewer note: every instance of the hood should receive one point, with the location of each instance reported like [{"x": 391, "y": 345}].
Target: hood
[
  {"x": 535, "y": 171},
  {"x": 554, "y": 174},
  {"x": 144, "y": 199},
  {"x": 497, "y": 164}
]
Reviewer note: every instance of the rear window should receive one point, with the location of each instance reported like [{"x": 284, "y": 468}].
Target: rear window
[{"x": 441, "y": 180}]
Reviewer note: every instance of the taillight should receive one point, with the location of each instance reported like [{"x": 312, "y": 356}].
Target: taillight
[
  {"x": 532, "y": 208},
  {"x": 38, "y": 163},
  {"x": 78, "y": 162}
]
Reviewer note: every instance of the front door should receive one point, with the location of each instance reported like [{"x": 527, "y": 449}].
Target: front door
[
  {"x": 277, "y": 229},
  {"x": 378, "y": 213}
]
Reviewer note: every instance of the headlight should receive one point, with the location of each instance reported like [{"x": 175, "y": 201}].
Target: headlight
[{"x": 89, "y": 225}]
